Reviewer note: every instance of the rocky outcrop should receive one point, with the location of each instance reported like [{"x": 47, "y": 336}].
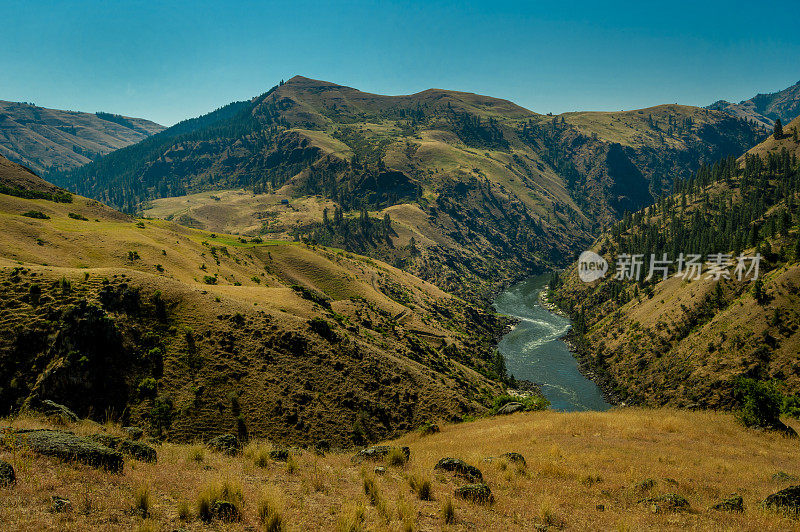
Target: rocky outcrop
[
  {"x": 135, "y": 449},
  {"x": 67, "y": 446}
]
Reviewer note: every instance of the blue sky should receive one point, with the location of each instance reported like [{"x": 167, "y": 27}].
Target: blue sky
[{"x": 167, "y": 61}]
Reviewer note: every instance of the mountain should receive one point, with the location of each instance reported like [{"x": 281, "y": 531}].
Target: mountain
[
  {"x": 475, "y": 188},
  {"x": 764, "y": 109},
  {"x": 686, "y": 342},
  {"x": 48, "y": 140},
  {"x": 191, "y": 333}
]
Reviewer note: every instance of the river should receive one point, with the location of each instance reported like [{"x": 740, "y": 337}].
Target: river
[{"x": 534, "y": 351}]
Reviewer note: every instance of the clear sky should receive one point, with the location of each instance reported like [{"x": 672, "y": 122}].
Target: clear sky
[{"x": 167, "y": 61}]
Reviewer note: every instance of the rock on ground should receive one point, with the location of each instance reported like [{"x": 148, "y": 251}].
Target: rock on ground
[
  {"x": 460, "y": 468},
  {"x": 135, "y": 449},
  {"x": 734, "y": 503},
  {"x": 378, "y": 452},
  {"x": 787, "y": 500},
  {"x": 475, "y": 493},
  {"x": 7, "y": 475},
  {"x": 226, "y": 443},
  {"x": 68, "y": 446}
]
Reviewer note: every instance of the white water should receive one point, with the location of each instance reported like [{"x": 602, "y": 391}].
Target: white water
[{"x": 534, "y": 351}]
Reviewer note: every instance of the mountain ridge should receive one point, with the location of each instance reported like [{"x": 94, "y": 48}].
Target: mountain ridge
[
  {"x": 49, "y": 140},
  {"x": 765, "y": 108}
]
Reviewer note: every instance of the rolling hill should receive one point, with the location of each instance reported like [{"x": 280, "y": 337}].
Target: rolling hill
[
  {"x": 764, "y": 109},
  {"x": 192, "y": 333},
  {"x": 684, "y": 342},
  {"x": 475, "y": 188},
  {"x": 48, "y": 140}
]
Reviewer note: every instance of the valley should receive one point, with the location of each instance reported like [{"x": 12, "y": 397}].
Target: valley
[{"x": 210, "y": 325}]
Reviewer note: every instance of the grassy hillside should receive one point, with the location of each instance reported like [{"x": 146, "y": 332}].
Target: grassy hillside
[
  {"x": 487, "y": 189},
  {"x": 684, "y": 342},
  {"x": 49, "y": 140},
  {"x": 583, "y": 471},
  {"x": 195, "y": 333},
  {"x": 789, "y": 141}
]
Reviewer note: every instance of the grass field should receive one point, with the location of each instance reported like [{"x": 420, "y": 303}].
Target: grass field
[{"x": 585, "y": 471}]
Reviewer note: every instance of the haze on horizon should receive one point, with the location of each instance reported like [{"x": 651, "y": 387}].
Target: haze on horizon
[{"x": 175, "y": 60}]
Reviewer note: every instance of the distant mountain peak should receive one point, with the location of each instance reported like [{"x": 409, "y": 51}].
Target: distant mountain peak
[{"x": 765, "y": 108}]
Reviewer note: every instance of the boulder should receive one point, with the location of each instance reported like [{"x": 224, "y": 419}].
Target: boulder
[
  {"x": 7, "y": 475},
  {"x": 379, "y": 452},
  {"x": 225, "y": 443},
  {"x": 279, "y": 455},
  {"x": 135, "y": 449},
  {"x": 225, "y": 511},
  {"x": 134, "y": 433},
  {"x": 380, "y": 470},
  {"x": 734, "y": 503},
  {"x": 60, "y": 504},
  {"x": 670, "y": 502},
  {"x": 68, "y": 446},
  {"x": 51, "y": 408},
  {"x": 510, "y": 408},
  {"x": 460, "y": 468},
  {"x": 786, "y": 500},
  {"x": 515, "y": 457},
  {"x": 475, "y": 492}
]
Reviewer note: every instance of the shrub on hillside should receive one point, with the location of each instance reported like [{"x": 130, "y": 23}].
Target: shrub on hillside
[
  {"x": 36, "y": 214},
  {"x": 322, "y": 328},
  {"x": 759, "y": 403}
]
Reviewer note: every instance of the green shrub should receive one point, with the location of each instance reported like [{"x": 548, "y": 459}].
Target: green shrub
[
  {"x": 147, "y": 387},
  {"x": 35, "y": 292},
  {"x": 791, "y": 406},
  {"x": 322, "y": 328},
  {"x": 209, "y": 279},
  {"x": 76, "y": 216},
  {"x": 759, "y": 402},
  {"x": 36, "y": 214}
]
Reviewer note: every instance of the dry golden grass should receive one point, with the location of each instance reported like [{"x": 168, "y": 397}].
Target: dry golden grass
[{"x": 585, "y": 471}]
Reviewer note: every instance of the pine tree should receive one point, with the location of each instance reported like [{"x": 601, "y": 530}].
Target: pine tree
[{"x": 777, "y": 132}]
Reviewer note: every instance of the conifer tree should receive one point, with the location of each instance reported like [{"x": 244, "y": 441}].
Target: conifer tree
[{"x": 777, "y": 131}]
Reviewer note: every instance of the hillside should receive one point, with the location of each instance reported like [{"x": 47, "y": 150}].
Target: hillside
[
  {"x": 476, "y": 188},
  {"x": 614, "y": 470},
  {"x": 683, "y": 342},
  {"x": 764, "y": 109},
  {"x": 49, "y": 140},
  {"x": 192, "y": 333},
  {"x": 789, "y": 141}
]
